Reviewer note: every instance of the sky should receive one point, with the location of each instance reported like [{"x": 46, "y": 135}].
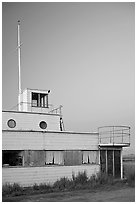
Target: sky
[{"x": 83, "y": 52}]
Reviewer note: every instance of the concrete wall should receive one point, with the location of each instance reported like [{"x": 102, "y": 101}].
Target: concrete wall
[
  {"x": 28, "y": 176},
  {"x": 25, "y": 140},
  {"x": 30, "y": 121}
]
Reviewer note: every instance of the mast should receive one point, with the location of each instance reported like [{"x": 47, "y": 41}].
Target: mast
[{"x": 19, "y": 65}]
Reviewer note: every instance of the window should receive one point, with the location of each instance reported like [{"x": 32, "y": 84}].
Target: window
[
  {"x": 12, "y": 158},
  {"x": 54, "y": 157},
  {"x": 40, "y": 100},
  {"x": 11, "y": 123},
  {"x": 43, "y": 125},
  {"x": 72, "y": 157},
  {"x": 34, "y": 99},
  {"x": 90, "y": 157}
]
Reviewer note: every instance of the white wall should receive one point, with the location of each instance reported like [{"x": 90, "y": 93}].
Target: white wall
[
  {"x": 24, "y": 140},
  {"x": 30, "y": 121},
  {"x": 31, "y": 175}
]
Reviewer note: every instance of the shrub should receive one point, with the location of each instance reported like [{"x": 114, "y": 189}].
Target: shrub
[
  {"x": 79, "y": 181},
  {"x": 12, "y": 188},
  {"x": 129, "y": 173},
  {"x": 63, "y": 183},
  {"x": 81, "y": 178},
  {"x": 42, "y": 187}
]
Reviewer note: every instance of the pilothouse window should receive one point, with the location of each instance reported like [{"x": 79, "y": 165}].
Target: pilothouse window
[{"x": 40, "y": 100}]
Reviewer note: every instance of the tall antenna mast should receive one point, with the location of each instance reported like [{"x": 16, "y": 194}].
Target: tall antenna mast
[{"x": 19, "y": 65}]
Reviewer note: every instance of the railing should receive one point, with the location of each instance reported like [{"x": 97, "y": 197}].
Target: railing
[
  {"x": 29, "y": 106},
  {"x": 114, "y": 135}
]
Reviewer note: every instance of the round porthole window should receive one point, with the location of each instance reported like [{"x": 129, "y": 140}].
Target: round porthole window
[
  {"x": 11, "y": 123},
  {"x": 43, "y": 125}
]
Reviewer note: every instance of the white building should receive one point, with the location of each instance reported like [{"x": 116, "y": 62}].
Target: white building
[{"x": 37, "y": 149}]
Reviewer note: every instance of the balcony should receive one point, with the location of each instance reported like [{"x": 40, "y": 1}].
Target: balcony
[{"x": 114, "y": 136}]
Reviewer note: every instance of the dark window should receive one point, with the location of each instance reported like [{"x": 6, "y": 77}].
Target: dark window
[
  {"x": 43, "y": 125},
  {"x": 12, "y": 158},
  {"x": 40, "y": 100},
  {"x": 34, "y": 99},
  {"x": 11, "y": 123}
]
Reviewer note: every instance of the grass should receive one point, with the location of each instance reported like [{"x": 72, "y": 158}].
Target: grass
[
  {"x": 81, "y": 181},
  {"x": 129, "y": 172},
  {"x": 77, "y": 182}
]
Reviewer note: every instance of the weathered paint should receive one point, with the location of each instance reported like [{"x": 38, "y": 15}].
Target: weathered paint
[
  {"x": 29, "y": 140},
  {"x": 30, "y": 121},
  {"x": 28, "y": 176}
]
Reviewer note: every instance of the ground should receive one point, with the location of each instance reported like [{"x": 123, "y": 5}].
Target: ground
[{"x": 104, "y": 194}]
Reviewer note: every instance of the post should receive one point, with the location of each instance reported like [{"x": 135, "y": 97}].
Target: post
[
  {"x": 113, "y": 163},
  {"x": 19, "y": 66},
  {"x": 121, "y": 164},
  {"x": 39, "y": 102},
  {"x": 106, "y": 162},
  {"x": 99, "y": 158}
]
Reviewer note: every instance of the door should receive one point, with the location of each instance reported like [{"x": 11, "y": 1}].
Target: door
[
  {"x": 110, "y": 162},
  {"x": 103, "y": 161},
  {"x": 117, "y": 163}
]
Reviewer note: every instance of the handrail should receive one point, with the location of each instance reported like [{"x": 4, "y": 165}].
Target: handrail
[
  {"x": 114, "y": 134},
  {"x": 51, "y": 108}
]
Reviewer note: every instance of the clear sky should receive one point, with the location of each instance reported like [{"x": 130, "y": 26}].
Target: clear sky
[{"x": 82, "y": 52}]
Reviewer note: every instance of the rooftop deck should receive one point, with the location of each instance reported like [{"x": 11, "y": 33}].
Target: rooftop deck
[{"x": 114, "y": 136}]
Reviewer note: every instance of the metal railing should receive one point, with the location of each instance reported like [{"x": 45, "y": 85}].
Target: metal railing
[
  {"x": 29, "y": 106},
  {"x": 114, "y": 135}
]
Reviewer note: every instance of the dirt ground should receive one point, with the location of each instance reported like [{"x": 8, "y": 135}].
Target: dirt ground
[{"x": 119, "y": 194}]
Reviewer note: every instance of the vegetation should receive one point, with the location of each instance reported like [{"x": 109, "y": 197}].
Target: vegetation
[
  {"x": 129, "y": 173},
  {"x": 81, "y": 181}
]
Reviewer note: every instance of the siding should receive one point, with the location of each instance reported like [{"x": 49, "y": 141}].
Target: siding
[
  {"x": 24, "y": 140},
  {"x": 30, "y": 121},
  {"x": 31, "y": 175}
]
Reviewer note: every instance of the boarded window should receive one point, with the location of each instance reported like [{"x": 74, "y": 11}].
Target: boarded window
[
  {"x": 72, "y": 158},
  {"x": 34, "y": 157},
  {"x": 90, "y": 157},
  {"x": 54, "y": 157}
]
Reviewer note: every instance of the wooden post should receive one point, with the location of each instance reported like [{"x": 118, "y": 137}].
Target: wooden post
[
  {"x": 44, "y": 101},
  {"x": 99, "y": 156},
  {"x": 106, "y": 163},
  {"x": 121, "y": 164},
  {"x": 113, "y": 164},
  {"x": 38, "y": 99}
]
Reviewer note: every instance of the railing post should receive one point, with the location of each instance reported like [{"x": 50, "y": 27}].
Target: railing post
[
  {"x": 121, "y": 162},
  {"x": 113, "y": 134},
  {"x": 129, "y": 134},
  {"x": 99, "y": 137},
  {"x": 122, "y": 135}
]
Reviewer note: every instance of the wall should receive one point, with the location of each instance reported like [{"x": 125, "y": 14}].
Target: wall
[
  {"x": 30, "y": 121},
  {"x": 26, "y": 99},
  {"x": 29, "y": 140},
  {"x": 31, "y": 175}
]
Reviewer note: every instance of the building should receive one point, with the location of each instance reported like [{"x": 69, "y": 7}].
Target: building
[{"x": 37, "y": 149}]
